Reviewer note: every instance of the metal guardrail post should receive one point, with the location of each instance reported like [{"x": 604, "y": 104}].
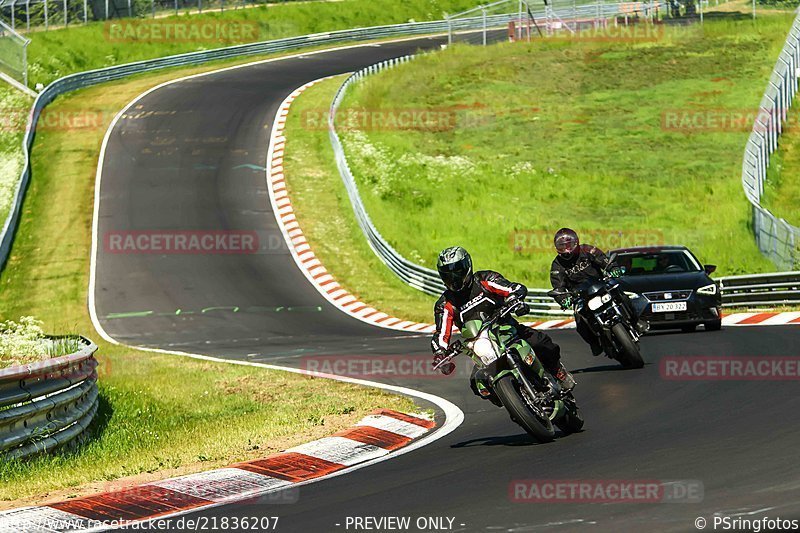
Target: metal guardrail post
[{"x": 485, "y": 28}]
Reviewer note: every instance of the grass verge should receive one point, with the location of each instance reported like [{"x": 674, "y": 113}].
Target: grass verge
[
  {"x": 59, "y": 52},
  {"x": 782, "y": 188},
  {"x": 159, "y": 415},
  {"x": 56, "y": 53},
  {"x": 323, "y": 210},
  {"x": 600, "y": 135},
  {"x": 13, "y": 111}
]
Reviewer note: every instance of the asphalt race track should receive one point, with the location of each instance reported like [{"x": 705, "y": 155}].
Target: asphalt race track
[{"x": 191, "y": 156}]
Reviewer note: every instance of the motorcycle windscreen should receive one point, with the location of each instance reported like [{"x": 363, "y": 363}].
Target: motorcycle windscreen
[{"x": 471, "y": 329}]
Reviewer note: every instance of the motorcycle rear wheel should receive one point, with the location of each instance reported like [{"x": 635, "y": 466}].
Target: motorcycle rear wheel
[{"x": 537, "y": 424}]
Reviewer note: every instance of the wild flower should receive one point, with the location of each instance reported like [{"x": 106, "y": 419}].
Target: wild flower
[
  {"x": 522, "y": 168},
  {"x": 379, "y": 173},
  {"x": 10, "y": 168},
  {"x": 24, "y": 342},
  {"x": 13, "y": 117}
]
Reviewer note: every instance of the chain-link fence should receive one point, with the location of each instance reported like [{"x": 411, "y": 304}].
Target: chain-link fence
[
  {"x": 776, "y": 238},
  {"x": 488, "y": 23},
  {"x": 520, "y": 20},
  {"x": 13, "y": 54},
  {"x": 24, "y": 15}
]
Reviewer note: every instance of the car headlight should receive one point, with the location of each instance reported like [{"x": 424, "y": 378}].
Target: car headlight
[
  {"x": 631, "y": 295},
  {"x": 598, "y": 301},
  {"x": 708, "y": 289}
]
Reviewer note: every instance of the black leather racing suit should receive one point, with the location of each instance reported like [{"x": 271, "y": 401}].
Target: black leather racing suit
[
  {"x": 588, "y": 263},
  {"x": 479, "y": 299}
]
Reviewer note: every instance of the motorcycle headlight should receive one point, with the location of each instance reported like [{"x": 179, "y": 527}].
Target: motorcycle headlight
[
  {"x": 708, "y": 289},
  {"x": 631, "y": 295},
  {"x": 483, "y": 348},
  {"x": 598, "y": 301}
]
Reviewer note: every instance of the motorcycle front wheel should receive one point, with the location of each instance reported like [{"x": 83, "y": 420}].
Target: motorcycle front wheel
[
  {"x": 628, "y": 354},
  {"x": 530, "y": 417},
  {"x": 572, "y": 420}
]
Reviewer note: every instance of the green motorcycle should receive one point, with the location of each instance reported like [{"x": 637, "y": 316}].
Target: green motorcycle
[{"x": 514, "y": 375}]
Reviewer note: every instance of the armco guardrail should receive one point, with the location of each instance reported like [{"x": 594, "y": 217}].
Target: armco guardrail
[
  {"x": 776, "y": 238},
  {"x": 735, "y": 290},
  {"x": 761, "y": 289},
  {"x": 48, "y": 404},
  {"x": 417, "y": 276},
  {"x": 94, "y": 77}
]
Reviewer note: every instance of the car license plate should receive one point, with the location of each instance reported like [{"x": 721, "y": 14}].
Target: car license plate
[{"x": 669, "y": 307}]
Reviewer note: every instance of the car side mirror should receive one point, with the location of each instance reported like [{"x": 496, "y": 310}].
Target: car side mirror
[{"x": 710, "y": 269}]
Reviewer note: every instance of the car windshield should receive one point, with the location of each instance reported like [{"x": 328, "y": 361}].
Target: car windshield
[{"x": 658, "y": 262}]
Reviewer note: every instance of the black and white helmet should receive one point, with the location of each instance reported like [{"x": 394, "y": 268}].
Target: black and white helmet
[
  {"x": 567, "y": 243},
  {"x": 455, "y": 268}
]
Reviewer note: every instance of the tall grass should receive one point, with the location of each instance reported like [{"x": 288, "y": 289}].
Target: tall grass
[
  {"x": 24, "y": 341},
  {"x": 324, "y": 212},
  {"x": 13, "y": 114},
  {"x": 64, "y": 51},
  {"x": 782, "y": 188},
  {"x": 553, "y": 134},
  {"x": 56, "y": 53}
]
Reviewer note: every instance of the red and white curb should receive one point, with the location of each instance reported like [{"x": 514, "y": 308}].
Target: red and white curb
[
  {"x": 387, "y": 434},
  {"x": 375, "y": 436},
  {"x": 303, "y": 255},
  {"x": 764, "y": 318},
  {"x": 761, "y": 319}
]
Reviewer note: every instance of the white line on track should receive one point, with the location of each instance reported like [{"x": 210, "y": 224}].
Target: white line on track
[{"x": 453, "y": 415}]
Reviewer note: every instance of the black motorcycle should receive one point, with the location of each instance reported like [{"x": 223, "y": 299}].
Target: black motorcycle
[{"x": 610, "y": 316}]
